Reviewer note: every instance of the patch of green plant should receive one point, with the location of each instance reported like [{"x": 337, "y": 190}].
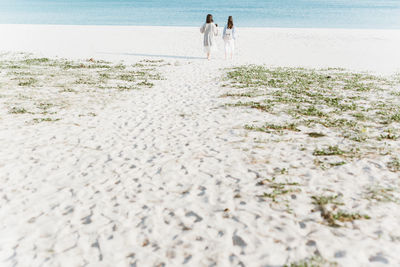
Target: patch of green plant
[
  {"x": 349, "y": 217},
  {"x": 255, "y": 105},
  {"x": 268, "y": 126},
  {"x": 249, "y": 94},
  {"x": 315, "y": 261},
  {"x": 16, "y": 110},
  {"x": 381, "y": 194},
  {"x": 395, "y": 93},
  {"x": 142, "y": 74},
  {"x": 303, "y": 79},
  {"x": 30, "y": 61},
  {"x": 334, "y": 164},
  {"x": 68, "y": 90},
  {"x": 127, "y": 77},
  {"x": 139, "y": 65},
  {"x": 71, "y": 65},
  {"x": 256, "y": 128},
  {"x": 284, "y": 171},
  {"x": 104, "y": 76},
  {"x": 44, "y": 106},
  {"x": 394, "y": 164},
  {"x": 125, "y": 87},
  {"x": 315, "y": 134},
  {"x": 27, "y": 82},
  {"x": 275, "y": 193},
  {"x": 310, "y": 111},
  {"x": 62, "y": 76},
  {"x": 277, "y": 189},
  {"x": 360, "y": 116},
  {"x": 395, "y": 117},
  {"x": 97, "y": 66},
  {"x": 81, "y": 65},
  {"x": 91, "y": 114},
  {"x": 358, "y": 86},
  {"x": 85, "y": 80},
  {"x": 146, "y": 83},
  {"x": 15, "y": 67},
  {"x": 329, "y": 151},
  {"x": 120, "y": 66},
  {"x": 37, "y": 120},
  {"x": 334, "y": 98},
  {"x": 389, "y": 134},
  {"x": 322, "y": 202},
  {"x": 355, "y": 136},
  {"x": 22, "y": 73},
  {"x": 336, "y": 123},
  {"x": 324, "y": 164}
]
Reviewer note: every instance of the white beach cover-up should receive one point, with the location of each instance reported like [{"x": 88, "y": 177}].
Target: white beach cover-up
[
  {"x": 229, "y": 36},
  {"x": 210, "y": 30},
  {"x": 229, "y": 41}
]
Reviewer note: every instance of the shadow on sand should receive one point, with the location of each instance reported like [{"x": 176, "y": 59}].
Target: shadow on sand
[{"x": 150, "y": 55}]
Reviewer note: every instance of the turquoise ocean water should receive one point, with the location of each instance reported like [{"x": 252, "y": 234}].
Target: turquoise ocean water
[{"x": 371, "y": 14}]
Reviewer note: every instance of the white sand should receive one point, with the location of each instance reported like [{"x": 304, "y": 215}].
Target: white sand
[
  {"x": 371, "y": 50},
  {"x": 167, "y": 176}
]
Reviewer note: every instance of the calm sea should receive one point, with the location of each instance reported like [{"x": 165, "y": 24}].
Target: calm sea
[{"x": 373, "y": 14}]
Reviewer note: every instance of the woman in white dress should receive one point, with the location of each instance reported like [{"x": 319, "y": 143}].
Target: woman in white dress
[
  {"x": 229, "y": 37},
  {"x": 210, "y": 30}
]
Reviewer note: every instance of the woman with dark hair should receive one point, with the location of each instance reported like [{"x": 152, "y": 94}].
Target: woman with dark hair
[
  {"x": 229, "y": 37},
  {"x": 209, "y": 29}
]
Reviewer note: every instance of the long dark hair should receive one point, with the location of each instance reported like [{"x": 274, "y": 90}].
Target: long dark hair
[
  {"x": 209, "y": 18},
  {"x": 230, "y": 22}
]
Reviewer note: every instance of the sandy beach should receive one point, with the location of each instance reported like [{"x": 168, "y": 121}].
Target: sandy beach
[{"x": 124, "y": 146}]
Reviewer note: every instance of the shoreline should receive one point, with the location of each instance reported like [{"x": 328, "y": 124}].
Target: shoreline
[{"x": 200, "y": 23}]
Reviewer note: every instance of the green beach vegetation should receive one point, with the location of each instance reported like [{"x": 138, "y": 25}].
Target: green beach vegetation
[
  {"x": 359, "y": 109},
  {"x": 45, "y": 86}
]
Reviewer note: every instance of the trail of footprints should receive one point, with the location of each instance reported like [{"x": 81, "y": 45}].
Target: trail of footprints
[
  {"x": 154, "y": 183},
  {"x": 128, "y": 176}
]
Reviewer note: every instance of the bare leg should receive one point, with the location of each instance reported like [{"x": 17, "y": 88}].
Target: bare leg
[{"x": 208, "y": 56}]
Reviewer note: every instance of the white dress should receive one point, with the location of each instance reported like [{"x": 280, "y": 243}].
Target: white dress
[
  {"x": 229, "y": 36},
  {"x": 210, "y": 30},
  {"x": 229, "y": 41}
]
